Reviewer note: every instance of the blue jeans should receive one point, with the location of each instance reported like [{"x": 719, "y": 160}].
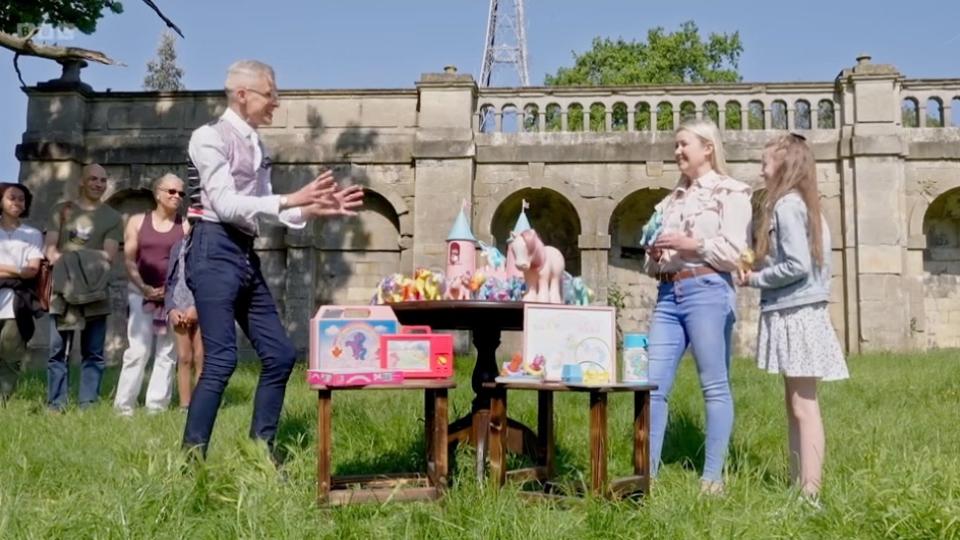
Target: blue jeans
[
  {"x": 699, "y": 312},
  {"x": 224, "y": 274},
  {"x": 92, "y": 339}
]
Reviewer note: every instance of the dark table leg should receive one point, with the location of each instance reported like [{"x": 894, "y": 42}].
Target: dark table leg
[
  {"x": 641, "y": 438},
  {"x": 440, "y": 440},
  {"x": 486, "y": 340},
  {"x": 498, "y": 436},
  {"x": 545, "y": 434},
  {"x": 324, "y": 418},
  {"x": 473, "y": 428},
  {"x": 598, "y": 443},
  {"x": 430, "y": 432}
]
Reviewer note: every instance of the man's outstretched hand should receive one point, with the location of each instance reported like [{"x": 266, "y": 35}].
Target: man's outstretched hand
[
  {"x": 316, "y": 191},
  {"x": 340, "y": 202}
]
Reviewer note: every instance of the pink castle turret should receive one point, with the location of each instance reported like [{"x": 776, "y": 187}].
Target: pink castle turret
[{"x": 461, "y": 248}]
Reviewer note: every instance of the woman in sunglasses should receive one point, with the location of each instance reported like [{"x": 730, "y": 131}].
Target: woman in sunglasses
[{"x": 147, "y": 241}]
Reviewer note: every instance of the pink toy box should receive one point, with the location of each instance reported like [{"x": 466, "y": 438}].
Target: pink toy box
[
  {"x": 345, "y": 340},
  {"x": 417, "y": 353}
]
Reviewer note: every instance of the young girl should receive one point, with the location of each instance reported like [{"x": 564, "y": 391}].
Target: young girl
[
  {"x": 20, "y": 258},
  {"x": 796, "y": 337}
]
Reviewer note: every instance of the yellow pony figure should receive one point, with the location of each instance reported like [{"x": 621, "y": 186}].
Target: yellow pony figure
[{"x": 428, "y": 284}]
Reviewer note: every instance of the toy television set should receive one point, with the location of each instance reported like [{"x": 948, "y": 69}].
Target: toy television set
[
  {"x": 346, "y": 339},
  {"x": 417, "y": 353}
]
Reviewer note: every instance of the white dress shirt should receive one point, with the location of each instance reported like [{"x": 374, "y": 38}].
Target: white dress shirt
[{"x": 224, "y": 199}]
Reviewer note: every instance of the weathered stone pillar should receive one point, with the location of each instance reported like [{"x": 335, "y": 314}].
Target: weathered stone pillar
[
  {"x": 443, "y": 154},
  {"x": 594, "y": 257},
  {"x": 51, "y": 155},
  {"x": 873, "y": 192}
]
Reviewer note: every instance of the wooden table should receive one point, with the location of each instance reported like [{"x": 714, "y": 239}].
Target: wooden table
[
  {"x": 338, "y": 490},
  {"x": 543, "y": 471},
  {"x": 486, "y": 320}
]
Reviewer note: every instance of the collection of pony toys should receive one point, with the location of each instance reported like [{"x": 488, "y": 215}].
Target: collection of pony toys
[{"x": 517, "y": 368}]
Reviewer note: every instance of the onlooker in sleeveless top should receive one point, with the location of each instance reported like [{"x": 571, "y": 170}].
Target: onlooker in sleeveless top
[{"x": 147, "y": 254}]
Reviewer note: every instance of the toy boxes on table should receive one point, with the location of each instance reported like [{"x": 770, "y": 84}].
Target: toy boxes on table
[
  {"x": 345, "y": 346},
  {"x": 417, "y": 353}
]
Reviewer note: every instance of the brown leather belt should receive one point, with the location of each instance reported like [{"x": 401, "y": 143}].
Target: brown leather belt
[{"x": 685, "y": 273}]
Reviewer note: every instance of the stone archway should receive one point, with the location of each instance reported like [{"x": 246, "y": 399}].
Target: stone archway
[
  {"x": 551, "y": 214},
  {"x": 941, "y": 228},
  {"x": 627, "y": 220},
  {"x": 354, "y": 254}
]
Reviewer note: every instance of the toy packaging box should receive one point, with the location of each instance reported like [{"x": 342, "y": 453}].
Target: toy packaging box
[
  {"x": 417, "y": 353},
  {"x": 346, "y": 340}
]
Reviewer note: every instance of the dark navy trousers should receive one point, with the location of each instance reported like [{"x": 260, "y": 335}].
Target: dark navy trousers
[{"x": 224, "y": 274}]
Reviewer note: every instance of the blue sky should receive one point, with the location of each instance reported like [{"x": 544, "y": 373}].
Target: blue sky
[{"x": 389, "y": 43}]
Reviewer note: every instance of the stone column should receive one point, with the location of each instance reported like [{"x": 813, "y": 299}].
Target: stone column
[
  {"x": 443, "y": 154},
  {"x": 873, "y": 184},
  {"x": 51, "y": 155},
  {"x": 594, "y": 253}
]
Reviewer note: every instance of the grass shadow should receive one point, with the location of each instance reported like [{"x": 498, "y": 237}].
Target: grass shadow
[{"x": 684, "y": 442}]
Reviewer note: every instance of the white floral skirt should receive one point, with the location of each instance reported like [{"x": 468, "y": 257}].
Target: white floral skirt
[{"x": 800, "y": 342}]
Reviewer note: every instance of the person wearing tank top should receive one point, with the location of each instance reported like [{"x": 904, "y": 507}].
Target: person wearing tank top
[{"x": 147, "y": 241}]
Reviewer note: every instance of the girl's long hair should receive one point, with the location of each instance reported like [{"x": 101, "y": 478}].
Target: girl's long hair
[{"x": 796, "y": 171}]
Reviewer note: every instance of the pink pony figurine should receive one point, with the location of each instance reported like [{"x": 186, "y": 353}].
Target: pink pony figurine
[
  {"x": 458, "y": 288},
  {"x": 542, "y": 267}
]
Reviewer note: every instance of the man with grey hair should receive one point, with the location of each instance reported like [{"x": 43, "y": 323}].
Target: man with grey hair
[{"x": 223, "y": 271}]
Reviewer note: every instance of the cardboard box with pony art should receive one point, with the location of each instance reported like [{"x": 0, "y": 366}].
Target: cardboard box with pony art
[{"x": 362, "y": 345}]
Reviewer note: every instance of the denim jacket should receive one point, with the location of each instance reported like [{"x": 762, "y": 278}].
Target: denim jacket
[{"x": 789, "y": 277}]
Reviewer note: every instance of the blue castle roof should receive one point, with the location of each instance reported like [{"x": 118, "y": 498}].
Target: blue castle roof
[
  {"x": 523, "y": 223},
  {"x": 461, "y": 229}
]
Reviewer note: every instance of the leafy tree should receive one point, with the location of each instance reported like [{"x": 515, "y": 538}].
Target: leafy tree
[
  {"x": 664, "y": 58},
  {"x": 80, "y": 14},
  {"x": 21, "y": 19},
  {"x": 163, "y": 73}
]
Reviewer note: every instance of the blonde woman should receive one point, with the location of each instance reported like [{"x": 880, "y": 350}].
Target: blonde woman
[{"x": 705, "y": 227}]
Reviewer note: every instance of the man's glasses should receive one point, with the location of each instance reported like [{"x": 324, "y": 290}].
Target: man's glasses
[
  {"x": 172, "y": 191},
  {"x": 272, "y": 95}
]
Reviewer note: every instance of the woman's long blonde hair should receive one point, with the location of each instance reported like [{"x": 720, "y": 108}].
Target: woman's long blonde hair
[
  {"x": 709, "y": 134},
  {"x": 796, "y": 171}
]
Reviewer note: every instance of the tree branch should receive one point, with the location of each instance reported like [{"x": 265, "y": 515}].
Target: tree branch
[
  {"x": 160, "y": 14},
  {"x": 16, "y": 67},
  {"x": 26, "y": 47}
]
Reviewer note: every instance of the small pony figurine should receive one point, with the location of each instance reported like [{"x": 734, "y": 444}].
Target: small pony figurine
[
  {"x": 650, "y": 231},
  {"x": 390, "y": 290},
  {"x": 542, "y": 267},
  {"x": 429, "y": 284},
  {"x": 496, "y": 263},
  {"x": 458, "y": 288}
]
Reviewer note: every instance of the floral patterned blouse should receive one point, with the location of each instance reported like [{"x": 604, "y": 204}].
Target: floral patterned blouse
[{"x": 715, "y": 209}]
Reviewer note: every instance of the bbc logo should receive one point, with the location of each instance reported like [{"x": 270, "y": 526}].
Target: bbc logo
[{"x": 46, "y": 32}]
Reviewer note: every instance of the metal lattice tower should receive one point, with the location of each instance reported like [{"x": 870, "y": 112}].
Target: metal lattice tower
[{"x": 506, "y": 41}]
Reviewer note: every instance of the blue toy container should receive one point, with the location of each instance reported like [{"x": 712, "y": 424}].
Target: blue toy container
[{"x": 635, "y": 365}]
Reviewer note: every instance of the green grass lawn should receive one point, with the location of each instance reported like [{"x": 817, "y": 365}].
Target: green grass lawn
[{"x": 893, "y": 466}]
